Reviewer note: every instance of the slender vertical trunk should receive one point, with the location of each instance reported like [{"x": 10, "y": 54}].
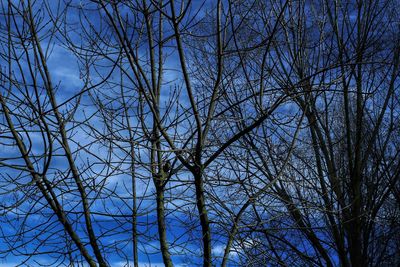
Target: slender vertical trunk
[
  {"x": 203, "y": 214},
  {"x": 162, "y": 231},
  {"x": 134, "y": 208},
  {"x": 133, "y": 179},
  {"x": 355, "y": 231},
  {"x": 158, "y": 178},
  {"x": 159, "y": 175}
]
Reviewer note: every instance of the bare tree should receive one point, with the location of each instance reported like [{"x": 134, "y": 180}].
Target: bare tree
[{"x": 232, "y": 133}]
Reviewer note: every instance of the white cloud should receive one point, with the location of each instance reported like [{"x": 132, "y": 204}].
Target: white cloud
[{"x": 220, "y": 249}]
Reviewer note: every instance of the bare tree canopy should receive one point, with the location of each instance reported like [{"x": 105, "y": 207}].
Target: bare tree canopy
[{"x": 199, "y": 133}]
